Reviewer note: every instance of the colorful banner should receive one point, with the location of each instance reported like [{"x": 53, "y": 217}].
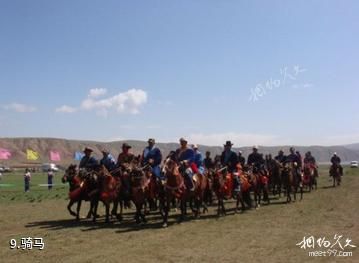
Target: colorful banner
[
  {"x": 78, "y": 156},
  {"x": 32, "y": 155},
  {"x": 5, "y": 154},
  {"x": 55, "y": 156}
]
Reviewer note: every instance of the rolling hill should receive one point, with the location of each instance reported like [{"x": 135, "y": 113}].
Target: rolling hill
[{"x": 67, "y": 148}]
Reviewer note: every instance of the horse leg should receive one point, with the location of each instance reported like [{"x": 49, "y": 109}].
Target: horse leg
[
  {"x": 69, "y": 208},
  {"x": 166, "y": 207},
  {"x": 107, "y": 206},
  {"x": 114, "y": 208},
  {"x": 95, "y": 206},
  {"x": 78, "y": 210},
  {"x": 143, "y": 215}
]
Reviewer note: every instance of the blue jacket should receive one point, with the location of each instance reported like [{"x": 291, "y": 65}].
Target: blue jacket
[
  {"x": 108, "y": 162},
  {"x": 198, "y": 160},
  {"x": 153, "y": 153},
  {"x": 187, "y": 154}
]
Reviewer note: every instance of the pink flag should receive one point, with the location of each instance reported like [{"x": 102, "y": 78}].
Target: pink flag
[
  {"x": 55, "y": 156},
  {"x": 4, "y": 154}
]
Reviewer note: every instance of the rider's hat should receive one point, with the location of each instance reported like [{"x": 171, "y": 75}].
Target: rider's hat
[
  {"x": 88, "y": 149},
  {"x": 228, "y": 143}
]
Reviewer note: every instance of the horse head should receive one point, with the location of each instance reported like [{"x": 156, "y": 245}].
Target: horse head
[{"x": 70, "y": 173}]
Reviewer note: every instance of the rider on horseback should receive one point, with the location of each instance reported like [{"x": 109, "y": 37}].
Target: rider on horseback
[
  {"x": 256, "y": 159},
  {"x": 230, "y": 159},
  {"x": 88, "y": 161},
  {"x": 294, "y": 158},
  {"x": 198, "y": 160},
  {"x": 107, "y": 160},
  {"x": 280, "y": 157},
  {"x": 152, "y": 156},
  {"x": 123, "y": 161},
  {"x": 185, "y": 155},
  {"x": 309, "y": 159},
  {"x": 335, "y": 160}
]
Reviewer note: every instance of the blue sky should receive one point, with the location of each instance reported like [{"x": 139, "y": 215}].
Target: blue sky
[{"x": 254, "y": 72}]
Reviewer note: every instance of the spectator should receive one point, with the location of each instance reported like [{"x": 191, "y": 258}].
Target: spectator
[
  {"x": 50, "y": 176},
  {"x": 27, "y": 178}
]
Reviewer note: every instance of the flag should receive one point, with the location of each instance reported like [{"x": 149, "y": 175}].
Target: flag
[
  {"x": 55, "y": 156},
  {"x": 78, "y": 156},
  {"x": 5, "y": 154},
  {"x": 32, "y": 155}
]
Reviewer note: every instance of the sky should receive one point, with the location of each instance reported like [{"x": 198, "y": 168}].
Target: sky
[{"x": 253, "y": 72}]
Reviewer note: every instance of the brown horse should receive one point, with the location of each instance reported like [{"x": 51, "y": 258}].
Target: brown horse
[
  {"x": 175, "y": 188},
  {"x": 292, "y": 181},
  {"x": 309, "y": 176},
  {"x": 108, "y": 191},
  {"x": 257, "y": 185},
  {"x": 223, "y": 186},
  {"x": 81, "y": 187},
  {"x": 335, "y": 173},
  {"x": 140, "y": 182}
]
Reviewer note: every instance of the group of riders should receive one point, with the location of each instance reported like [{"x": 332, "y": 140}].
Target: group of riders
[
  {"x": 194, "y": 163},
  {"x": 187, "y": 176}
]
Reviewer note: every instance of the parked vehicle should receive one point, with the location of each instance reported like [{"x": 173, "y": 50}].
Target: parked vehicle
[
  {"x": 49, "y": 166},
  {"x": 354, "y": 164}
]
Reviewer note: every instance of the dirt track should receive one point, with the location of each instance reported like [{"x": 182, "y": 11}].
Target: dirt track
[{"x": 269, "y": 234}]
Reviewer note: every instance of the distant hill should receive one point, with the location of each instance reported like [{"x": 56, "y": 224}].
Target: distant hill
[{"x": 67, "y": 148}]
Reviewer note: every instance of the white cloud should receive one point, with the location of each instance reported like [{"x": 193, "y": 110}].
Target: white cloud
[
  {"x": 97, "y": 92},
  {"x": 20, "y": 107},
  {"x": 66, "y": 109},
  {"x": 124, "y": 102},
  {"x": 129, "y": 101}
]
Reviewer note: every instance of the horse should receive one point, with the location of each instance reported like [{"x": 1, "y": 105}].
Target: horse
[
  {"x": 140, "y": 191},
  {"x": 223, "y": 186},
  {"x": 80, "y": 189},
  {"x": 309, "y": 176},
  {"x": 291, "y": 181},
  {"x": 257, "y": 183},
  {"x": 275, "y": 177},
  {"x": 108, "y": 191},
  {"x": 335, "y": 173},
  {"x": 175, "y": 188}
]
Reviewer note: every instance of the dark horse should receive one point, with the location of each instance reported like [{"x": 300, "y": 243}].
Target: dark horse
[
  {"x": 335, "y": 173},
  {"x": 80, "y": 189},
  {"x": 275, "y": 177},
  {"x": 292, "y": 181},
  {"x": 175, "y": 187}
]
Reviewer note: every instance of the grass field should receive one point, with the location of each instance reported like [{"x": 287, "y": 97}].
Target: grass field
[{"x": 269, "y": 234}]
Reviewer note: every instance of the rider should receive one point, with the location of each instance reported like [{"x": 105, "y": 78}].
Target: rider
[
  {"x": 123, "y": 161},
  {"x": 280, "y": 157},
  {"x": 294, "y": 158},
  {"x": 241, "y": 158},
  {"x": 335, "y": 160},
  {"x": 309, "y": 159},
  {"x": 88, "y": 161},
  {"x": 256, "y": 159},
  {"x": 230, "y": 159},
  {"x": 185, "y": 155},
  {"x": 208, "y": 162},
  {"x": 198, "y": 160},
  {"x": 107, "y": 160},
  {"x": 152, "y": 155}
]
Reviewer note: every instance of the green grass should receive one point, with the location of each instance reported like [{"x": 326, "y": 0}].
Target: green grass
[{"x": 13, "y": 189}]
